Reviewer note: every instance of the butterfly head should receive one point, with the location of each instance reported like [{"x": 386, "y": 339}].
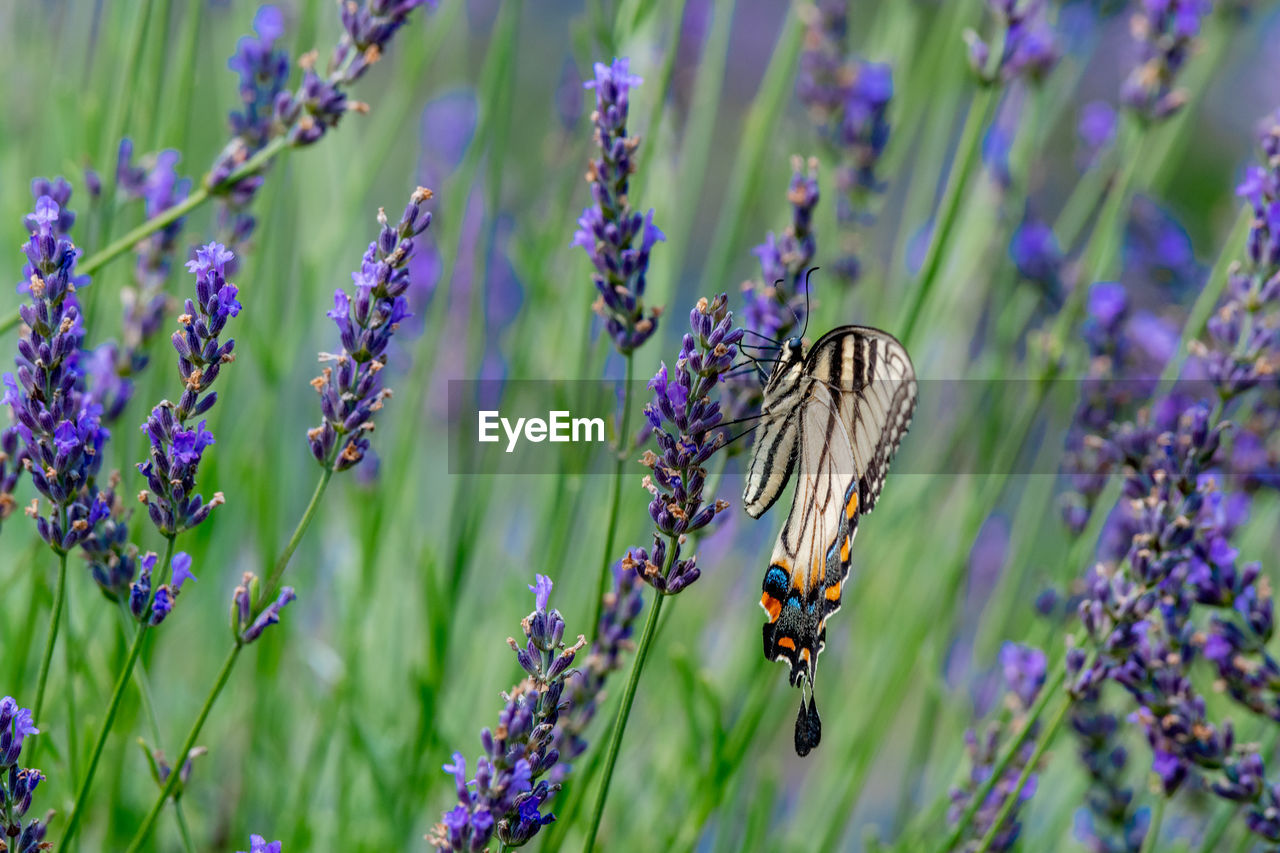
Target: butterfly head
[{"x": 795, "y": 346}]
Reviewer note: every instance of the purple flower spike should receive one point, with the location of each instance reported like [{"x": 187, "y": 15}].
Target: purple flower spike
[
  {"x": 617, "y": 238},
  {"x": 172, "y": 501},
  {"x": 507, "y": 795},
  {"x": 1166, "y": 32},
  {"x": 247, "y": 631},
  {"x": 1024, "y": 671},
  {"x": 1030, "y": 48},
  {"x": 684, "y": 414},
  {"x": 17, "y": 784},
  {"x": 56, "y": 423},
  {"x": 848, "y": 101},
  {"x": 350, "y": 385}
]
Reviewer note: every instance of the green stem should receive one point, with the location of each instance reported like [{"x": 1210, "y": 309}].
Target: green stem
[
  {"x": 624, "y": 711},
  {"x": 113, "y": 706},
  {"x": 270, "y": 589},
  {"x": 1153, "y": 831},
  {"x": 273, "y": 582},
  {"x": 611, "y": 523},
  {"x": 51, "y": 639},
  {"x": 153, "y": 722},
  {"x": 958, "y": 178},
  {"x": 1049, "y": 690},
  {"x": 68, "y": 663},
  {"x": 1012, "y": 798},
  {"x": 171, "y": 783}
]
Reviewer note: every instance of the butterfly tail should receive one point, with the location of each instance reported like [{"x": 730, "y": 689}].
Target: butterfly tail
[{"x": 808, "y": 726}]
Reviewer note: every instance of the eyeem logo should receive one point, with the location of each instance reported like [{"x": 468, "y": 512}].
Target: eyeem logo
[{"x": 558, "y": 427}]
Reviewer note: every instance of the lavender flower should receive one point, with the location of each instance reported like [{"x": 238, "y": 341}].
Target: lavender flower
[
  {"x": 1024, "y": 673},
  {"x": 153, "y": 609},
  {"x": 176, "y": 448},
  {"x": 351, "y": 391},
  {"x": 615, "y": 237},
  {"x": 258, "y": 844},
  {"x": 507, "y": 795},
  {"x": 301, "y": 117},
  {"x": 1030, "y": 46},
  {"x": 1035, "y": 252},
  {"x": 11, "y": 456},
  {"x": 113, "y": 560},
  {"x": 1166, "y": 31},
  {"x": 247, "y": 601},
  {"x": 585, "y": 686},
  {"x": 1243, "y": 349},
  {"x": 60, "y": 428},
  {"x": 1096, "y": 131},
  {"x": 823, "y": 78},
  {"x": 848, "y": 100},
  {"x": 683, "y": 415},
  {"x": 1107, "y": 823},
  {"x": 775, "y": 304},
  {"x": 111, "y": 366},
  {"x": 17, "y": 785}
]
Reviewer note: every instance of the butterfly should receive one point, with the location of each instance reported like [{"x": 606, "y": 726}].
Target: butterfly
[{"x": 837, "y": 413}]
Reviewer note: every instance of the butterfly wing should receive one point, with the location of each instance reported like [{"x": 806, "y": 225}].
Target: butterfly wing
[
  {"x": 812, "y": 551},
  {"x": 773, "y": 455},
  {"x": 874, "y": 382}
]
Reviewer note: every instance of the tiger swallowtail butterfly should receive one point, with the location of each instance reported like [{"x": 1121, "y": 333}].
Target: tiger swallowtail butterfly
[{"x": 837, "y": 413}]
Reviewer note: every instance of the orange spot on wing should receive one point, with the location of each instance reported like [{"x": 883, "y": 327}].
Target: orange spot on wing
[
  {"x": 833, "y": 592},
  {"x": 787, "y": 643},
  {"x": 844, "y": 551},
  {"x": 851, "y": 508},
  {"x": 804, "y": 655},
  {"x": 771, "y": 605}
]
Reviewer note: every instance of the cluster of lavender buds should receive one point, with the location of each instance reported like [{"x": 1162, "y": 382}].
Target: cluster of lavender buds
[
  {"x": 1107, "y": 823},
  {"x": 176, "y": 449},
  {"x": 1024, "y": 674},
  {"x": 1127, "y": 351},
  {"x": 684, "y": 415},
  {"x": 263, "y": 68},
  {"x": 60, "y": 427},
  {"x": 113, "y": 559},
  {"x": 1028, "y": 45},
  {"x": 1165, "y": 32},
  {"x": 1243, "y": 350},
  {"x": 1096, "y": 131},
  {"x": 247, "y": 601},
  {"x": 10, "y": 469},
  {"x": 506, "y": 797},
  {"x": 616, "y": 237},
  {"x": 1035, "y": 253},
  {"x": 258, "y": 844},
  {"x": 111, "y": 366},
  {"x": 153, "y": 608},
  {"x": 776, "y": 303},
  {"x": 1178, "y": 595},
  {"x": 848, "y": 99},
  {"x": 320, "y": 102},
  {"x": 17, "y": 785},
  {"x": 585, "y": 687},
  {"x": 351, "y": 390},
  {"x": 301, "y": 117}
]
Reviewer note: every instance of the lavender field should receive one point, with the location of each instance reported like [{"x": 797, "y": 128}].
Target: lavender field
[{"x": 265, "y": 587}]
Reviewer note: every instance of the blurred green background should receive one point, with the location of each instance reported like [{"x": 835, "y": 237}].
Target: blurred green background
[{"x": 332, "y": 732}]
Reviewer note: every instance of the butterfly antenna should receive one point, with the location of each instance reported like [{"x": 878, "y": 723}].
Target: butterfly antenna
[
  {"x": 746, "y": 431},
  {"x": 774, "y": 341},
  {"x": 808, "y": 273}
]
